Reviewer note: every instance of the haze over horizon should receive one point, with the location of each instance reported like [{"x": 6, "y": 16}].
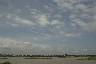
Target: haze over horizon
[{"x": 48, "y": 26}]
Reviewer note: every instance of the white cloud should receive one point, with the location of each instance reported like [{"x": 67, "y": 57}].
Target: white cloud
[
  {"x": 9, "y": 45},
  {"x": 18, "y": 21},
  {"x": 9, "y": 16},
  {"x": 13, "y": 24},
  {"x": 80, "y": 13},
  {"x": 72, "y": 34},
  {"x": 12, "y": 43},
  {"x": 23, "y": 21},
  {"x": 50, "y": 9},
  {"x": 40, "y": 17},
  {"x": 56, "y": 22},
  {"x": 43, "y": 20},
  {"x": 65, "y": 4},
  {"x": 90, "y": 26},
  {"x": 79, "y": 22},
  {"x": 81, "y": 7},
  {"x": 34, "y": 11}
]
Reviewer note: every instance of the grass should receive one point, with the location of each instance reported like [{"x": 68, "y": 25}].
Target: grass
[
  {"x": 88, "y": 58},
  {"x": 6, "y": 62},
  {"x": 91, "y": 58},
  {"x": 39, "y": 58},
  {"x": 3, "y": 58}
]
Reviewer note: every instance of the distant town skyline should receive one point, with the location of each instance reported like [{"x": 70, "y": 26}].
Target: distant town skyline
[{"x": 48, "y": 26}]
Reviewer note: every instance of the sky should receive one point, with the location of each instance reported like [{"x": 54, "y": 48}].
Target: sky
[{"x": 48, "y": 26}]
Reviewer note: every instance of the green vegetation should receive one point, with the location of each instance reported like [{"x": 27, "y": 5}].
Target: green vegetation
[
  {"x": 6, "y": 62},
  {"x": 39, "y": 58},
  {"x": 91, "y": 58},
  {"x": 3, "y": 58},
  {"x": 88, "y": 58}
]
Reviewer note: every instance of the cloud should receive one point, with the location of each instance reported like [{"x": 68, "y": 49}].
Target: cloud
[
  {"x": 34, "y": 11},
  {"x": 91, "y": 27},
  {"x": 65, "y": 4},
  {"x": 18, "y": 21},
  {"x": 12, "y": 43},
  {"x": 56, "y": 22},
  {"x": 9, "y": 45},
  {"x": 23, "y": 21},
  {"x": 42, "y": 20},
  {"x": 87, "y": 25},
  {"x": 81, "y": 14},
  {"x": 9, "y": 16},
  {"x": 45, "y": 26},
  {"x": 72, "y": 34}
]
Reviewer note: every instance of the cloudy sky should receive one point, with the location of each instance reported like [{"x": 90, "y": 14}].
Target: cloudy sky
[{"x": 48, "y": 26}]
